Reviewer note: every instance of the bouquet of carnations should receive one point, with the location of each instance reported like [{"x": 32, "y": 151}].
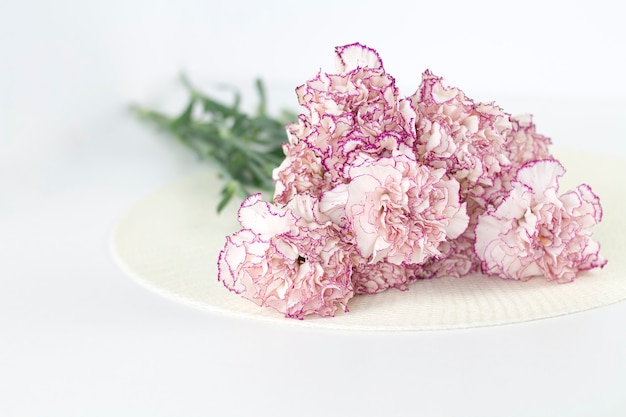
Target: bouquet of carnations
[{"x": 378, "y": 190}]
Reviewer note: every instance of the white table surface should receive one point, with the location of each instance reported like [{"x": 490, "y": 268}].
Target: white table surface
[{"x": 78, "y": 338}]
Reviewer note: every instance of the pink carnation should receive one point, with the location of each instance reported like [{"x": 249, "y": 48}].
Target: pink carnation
[
  {"x": 537, "y": 232},
  {"x": 524, "y": 143},
  {"x": 359, "y": 109},
  {"x": 300, "y": 172},
  {"x": 281, "y": 261},
  {"x": 457, "y": 259},
  {"x": 396, "y": 209},
  {"x": 466, "y": 138},
  {"x": 361, "y": 91},
  {"x": 377, "y": 277}
]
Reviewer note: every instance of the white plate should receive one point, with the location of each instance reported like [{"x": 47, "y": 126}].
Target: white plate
[{"x": 170, "y": 242}]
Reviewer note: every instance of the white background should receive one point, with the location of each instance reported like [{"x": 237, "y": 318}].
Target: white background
[{"x": 77, "y": 338}]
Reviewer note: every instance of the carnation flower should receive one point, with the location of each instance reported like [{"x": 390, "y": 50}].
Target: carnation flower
[
  {"x": 466, "y": 138},
  {"x": 361, "y": 91},
  {"x": 396, "y": 209},
  {"x": 373, "y": 278},
  {"x": 535, "y": 231},
  {"x": 457, "y": 259},
  {"x": 524, "y": 143},
  {"x": 300, "y": 172},
  {"x": 359, "y": 109},
  {"x": 280, "y": 261}
]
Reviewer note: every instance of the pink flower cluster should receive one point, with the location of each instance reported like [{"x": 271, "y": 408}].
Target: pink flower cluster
[{"x": 378, "y": 190}]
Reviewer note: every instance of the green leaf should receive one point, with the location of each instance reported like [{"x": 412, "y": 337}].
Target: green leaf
[
  {"x": 245, "y": 148},
  {"x": 262, "y": 109},
  {"x": 185, "y": 118},
  {"x": 227, "y": 194}
]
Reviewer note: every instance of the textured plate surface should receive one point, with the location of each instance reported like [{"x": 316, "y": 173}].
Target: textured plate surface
[{"x": 170, "y": 242}]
